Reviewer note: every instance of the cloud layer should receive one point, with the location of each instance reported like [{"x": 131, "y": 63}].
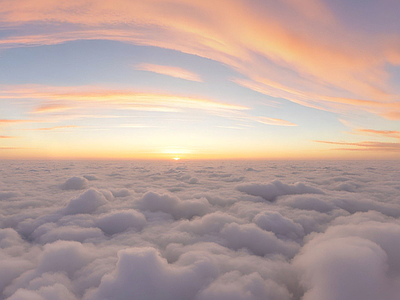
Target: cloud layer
[{"x": 141, "y": 230}]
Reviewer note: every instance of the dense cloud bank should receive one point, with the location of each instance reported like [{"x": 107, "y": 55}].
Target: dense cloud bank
[{"x": 201, "y": 231}]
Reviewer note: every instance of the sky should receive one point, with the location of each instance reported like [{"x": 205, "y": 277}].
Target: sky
[{"x": 237, "y": 79}]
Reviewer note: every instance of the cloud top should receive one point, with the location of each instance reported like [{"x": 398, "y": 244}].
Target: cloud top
[
  {"x": 276, "y": 188},
  {"x": 144, "y": 232}
]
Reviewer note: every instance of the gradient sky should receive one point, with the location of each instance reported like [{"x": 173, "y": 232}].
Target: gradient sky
[{"x": 156, "y": 79}]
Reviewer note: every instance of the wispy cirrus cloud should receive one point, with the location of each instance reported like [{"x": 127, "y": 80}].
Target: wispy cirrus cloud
[
  {"x": 169, "y": 71},
  {"x": 380, "y": 133},
  {"x": 273, "y": 121},
  {"x": 377, "y": 133},
  {"x": 11, "y": 121},
  {"x": 51, "y": 107},
  {"x": 54, "y": 128},
  {"x": 81, "y": 98},
  {"x": 262, "y": 40},
  {"x": 364, "y": 146},
  {"x": 115, "y": 97},
  {"x": 389, "y": 109}
]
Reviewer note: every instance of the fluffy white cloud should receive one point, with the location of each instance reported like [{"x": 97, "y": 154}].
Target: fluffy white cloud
[
  {"x": 256, "y": 240},
  {"x": 85, "y": 203},
  {"x": 209, "y": 224},
  {"x": 75, "y": 183},
  {"x": 8, "y": 195},
  {"x": 50, "y": 232},
  {"x": 308, "y": 203},
  {"x": 281, "y": 226},
  {"x": 173, "y": 205},
  {"x": 121, "y": 193},
  {"x": 142, "y": 231},
  {"x": 90, "y": 177},
  {"x": 345, "y": 268},
  {"x": 193, "y": 180},
  {"x": 275, "y": 189},
  {"x": 57, "y": 258},
  {"x": 142, "y": 274},
  {"x": 119, "y": 221},
  {"x": 54, "y": 292},
  {"x": 236, "y": 286}
]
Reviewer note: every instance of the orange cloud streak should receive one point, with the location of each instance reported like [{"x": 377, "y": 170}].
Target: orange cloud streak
[
  {"x": 125, "y": 98},
  {"x": 273, "y": 121},
  {"x": 327, "y": 60},
  {"x": 383, "y": 133},
  {"x": 8, "y": 122},
  {"x": 169, "y": 71},
  {"x": 365, "y": 146},
  {"x": 55, "y": 128},
  {"x": 51, "y": 107},
  {"x": 7, "y": 137}
]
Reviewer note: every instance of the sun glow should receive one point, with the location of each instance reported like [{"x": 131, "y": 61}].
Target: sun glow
[
  {"x": 176, "y": 158},
  {"x": 176, "y": 150}
]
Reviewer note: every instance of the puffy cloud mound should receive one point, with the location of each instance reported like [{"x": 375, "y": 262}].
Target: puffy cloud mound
[
  {"x": 278, "y": 224},
  {"x": 308, "y": 203},
  {"x": 258, "y": 241},
  {"x": 75, "y": 183},
  {"x": 346, "y": 186},
  {"x": 275, "y": 189},
  {"x": 209, "y": 224},
  {"x": 193, "y": 180},
  {"x": 121, "y": 193},
  {"x": 174, "y": 206},
  {"x": 236, "y": 286},
  {"x": 356, "y": 259},
  {"x": 8, "y": 195},
  {"x": 90, "y": 177},
  {"x": 346, "y": 268},
  {"x": 64, "y": 256},
  {"x": 143, "y": 274},
  {"x": 119, "y": 221},
  {"x": 50, "y": 232},
  {"x": 85, "y": 203},
  {"x": 11, "y": 266},
  {"x": 353, "y": 205},
  {"x": 129, "y": 238},
  {"x": 58, "y": 264},
  {"x": 54, "y": 292}
]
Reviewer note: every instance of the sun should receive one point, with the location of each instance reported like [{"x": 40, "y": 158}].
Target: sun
[{"x": 176, "y": 158}]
